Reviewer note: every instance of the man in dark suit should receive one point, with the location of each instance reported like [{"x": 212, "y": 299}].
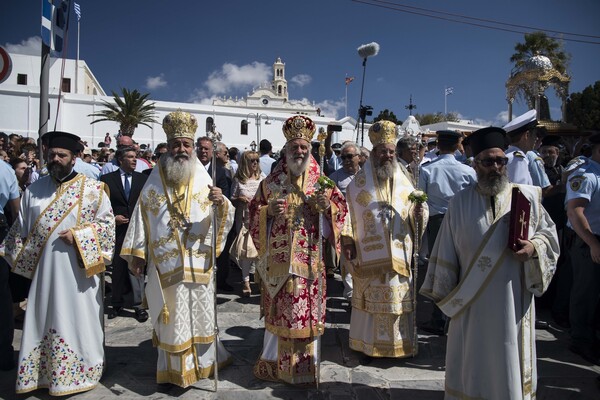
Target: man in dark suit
[
  {"x": 125, "y": 185},
  {"x": 204, "y": 151}
]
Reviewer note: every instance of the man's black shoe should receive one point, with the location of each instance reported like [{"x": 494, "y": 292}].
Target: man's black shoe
[
  {"x": 541, "y": 325},
  {"x": 141, "y": 315},
  {"x": 433, "y": 328},
  {"x": 225, "y": 287},
  {"x": 113, "y": 312},
  {"x": 586, "y": 352}
]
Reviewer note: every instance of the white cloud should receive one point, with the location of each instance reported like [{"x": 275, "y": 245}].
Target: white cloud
[
  {"x": 301, "y": 80},
  {"x": 331, "y": 108},
  {"x": 501, "y": 118},
  {"x": 156, "y": 82},
  {"x": 31, "y": 46},
  {"x": 233, "y": 77}
]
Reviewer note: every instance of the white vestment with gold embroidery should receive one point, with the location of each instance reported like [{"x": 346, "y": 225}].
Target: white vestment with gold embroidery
[
  {"x": 488, "y": 294},
  {"x": 62, "y": 344},
  {"x": 381, "y": 224},
  {"x": 173, "y": 231}
]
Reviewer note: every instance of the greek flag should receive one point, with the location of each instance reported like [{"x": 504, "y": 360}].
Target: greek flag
[
  {"x": 77, "y": 9},
  {"x": 55, "y": 20},
  {"x": 448, "y": 91},
  {"x": 47, "y": 9}
]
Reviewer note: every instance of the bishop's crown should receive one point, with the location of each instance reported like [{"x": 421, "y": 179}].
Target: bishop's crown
[
  {"x": 180, "y": 124},
  {"x": 299, "y": 127},
  {"x": 383, "y": 132}
]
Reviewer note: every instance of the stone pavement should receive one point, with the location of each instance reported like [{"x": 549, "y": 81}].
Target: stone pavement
[{"x": 131, "y": 360}]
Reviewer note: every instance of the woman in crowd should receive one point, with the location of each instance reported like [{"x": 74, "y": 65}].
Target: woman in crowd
[
  {"x": 245, "y": 185},
  {"x": 22, "y": 171}
]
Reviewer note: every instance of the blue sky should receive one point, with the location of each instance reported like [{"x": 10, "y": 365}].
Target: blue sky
[{"x": 192, "y": 51}]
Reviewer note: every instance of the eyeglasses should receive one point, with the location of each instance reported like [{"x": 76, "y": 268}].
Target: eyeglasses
[
  {"x": 488, "y": 162},
  {"x": 254, "y": 160},
  {"x": 348, "y": 156}
]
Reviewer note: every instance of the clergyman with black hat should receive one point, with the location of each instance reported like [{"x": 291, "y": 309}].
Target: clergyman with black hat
[
  {"x": 486, "y": 288},
  {"x": 583, "y": 212},
  {"x": 442, "y": 179},
  {"x": 61, "y": 240},
  {"x": 171, "y": 231}
]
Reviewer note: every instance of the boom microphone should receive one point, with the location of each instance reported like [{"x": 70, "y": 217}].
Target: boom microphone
[{"x": 368, "y": 50}]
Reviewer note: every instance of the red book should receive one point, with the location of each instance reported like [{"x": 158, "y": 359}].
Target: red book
[{"x": 520, "y": 209}]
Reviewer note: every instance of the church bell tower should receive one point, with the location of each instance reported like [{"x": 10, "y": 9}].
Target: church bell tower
[{"x": 279, "y": 83}]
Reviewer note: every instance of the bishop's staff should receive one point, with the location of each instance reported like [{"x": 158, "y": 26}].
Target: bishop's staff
[
  {"x": 417, "y": 197},
  {"x": 215, "y": 137}
]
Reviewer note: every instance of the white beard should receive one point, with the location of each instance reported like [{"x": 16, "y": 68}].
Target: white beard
[
  {"x": 178, "y": 169},
  {"x": 297, "y": 166}
]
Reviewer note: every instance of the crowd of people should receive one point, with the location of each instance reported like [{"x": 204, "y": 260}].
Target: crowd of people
[{"x": 169, "y": 224}]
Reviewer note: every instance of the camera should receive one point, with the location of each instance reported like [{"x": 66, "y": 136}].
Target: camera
[{"x": 334, "y": 128}]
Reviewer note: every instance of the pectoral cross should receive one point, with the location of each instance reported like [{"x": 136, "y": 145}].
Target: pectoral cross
[{"x": 523, "y": 223}]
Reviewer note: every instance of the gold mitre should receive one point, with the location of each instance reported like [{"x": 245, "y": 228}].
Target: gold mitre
[
  {"x": 383, "y": 132},
  {"x": 180, "y": 124},
  {"x": 299, "y": 127}
]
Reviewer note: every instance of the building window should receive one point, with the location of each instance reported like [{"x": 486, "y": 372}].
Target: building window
[
  {"x": 21, "y": 79},
  {"x": 279, "y": 89},
  {"x": 66, "y": 85},
  {"x": 209, "y": 124},
  {"x": 244, "y": 127}
]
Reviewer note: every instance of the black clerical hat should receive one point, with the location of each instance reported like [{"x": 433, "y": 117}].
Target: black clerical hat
[
  {"x": 487, "y": 138},
  {"x": 63, "y": 140}
]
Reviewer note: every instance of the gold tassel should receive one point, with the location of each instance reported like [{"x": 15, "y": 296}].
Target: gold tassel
[{"x": 165, "y": 314}]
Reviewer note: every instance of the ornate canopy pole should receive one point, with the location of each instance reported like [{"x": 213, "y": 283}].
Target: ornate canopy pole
[
  {"x": 320, "y": 326},
  {"x": 215, "y": 137},
  {"x": 417, "y": 197}
]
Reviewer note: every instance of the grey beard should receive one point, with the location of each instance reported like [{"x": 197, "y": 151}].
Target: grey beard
[
  {"x": 386, "y": 171},
  {"x": 177, "y": 171},
  {"x": 295, "y": 168},
  {"x": 550, "y": 162},
  {"x": 492, "y": 185}
]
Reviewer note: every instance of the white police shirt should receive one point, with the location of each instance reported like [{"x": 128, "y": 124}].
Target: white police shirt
[
  {"x": 518, "y": 166},
  {"x": 584, "y": 183},
  {"x": 539, "y": 176}
]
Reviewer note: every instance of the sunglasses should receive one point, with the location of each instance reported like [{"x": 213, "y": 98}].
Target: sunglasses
[
  {"x": 488, "y": 162},
  {"x": 253, "y": 160},
  {"x": 348, "y": 156}
]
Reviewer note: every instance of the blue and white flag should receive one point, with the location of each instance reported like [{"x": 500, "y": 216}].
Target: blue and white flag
[
  {"x": 55, "y": 21},
  {"x": 77, "y": 9},
  {"x": 47, "y": 9},
  {"x": 448, "y": 91}
]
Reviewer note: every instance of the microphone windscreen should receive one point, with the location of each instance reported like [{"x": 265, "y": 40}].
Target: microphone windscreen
[{"x": 368, "y": 50}]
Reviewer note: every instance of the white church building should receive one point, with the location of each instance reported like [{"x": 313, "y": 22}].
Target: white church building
[{"x": 242, "y": 122}]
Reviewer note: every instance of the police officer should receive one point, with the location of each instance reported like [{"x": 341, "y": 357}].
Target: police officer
[
  {"x": 522, "y": 139},
  {"x": 9, "y": 195},
  {"x": 583, "y": 212},
  {"x": 441, "y": 179}
]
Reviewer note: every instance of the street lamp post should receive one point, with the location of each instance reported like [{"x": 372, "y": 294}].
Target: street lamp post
[{"x": 257, "y": 117}]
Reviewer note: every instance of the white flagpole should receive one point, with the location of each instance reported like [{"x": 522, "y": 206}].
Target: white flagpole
[
  {"x": 346, "y": 110},
  {"x": 77, "y": 61}
]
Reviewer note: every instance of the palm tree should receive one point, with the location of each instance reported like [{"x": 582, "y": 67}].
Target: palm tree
[
  {"x": 129, "y": 111},
  {"x": 538, "y": 43}
]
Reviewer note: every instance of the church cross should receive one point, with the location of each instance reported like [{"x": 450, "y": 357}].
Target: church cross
[
  {"x": 523, "y": 223},
  {"x": 410, "y": 106}
]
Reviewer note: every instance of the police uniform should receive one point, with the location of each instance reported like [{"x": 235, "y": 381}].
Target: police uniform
[
  {"x": 584, "y": 183},
  {"x": 441, "y": 179},
  {"x": 537, "y": 170},
  {"x": 518, "y": 166}
]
